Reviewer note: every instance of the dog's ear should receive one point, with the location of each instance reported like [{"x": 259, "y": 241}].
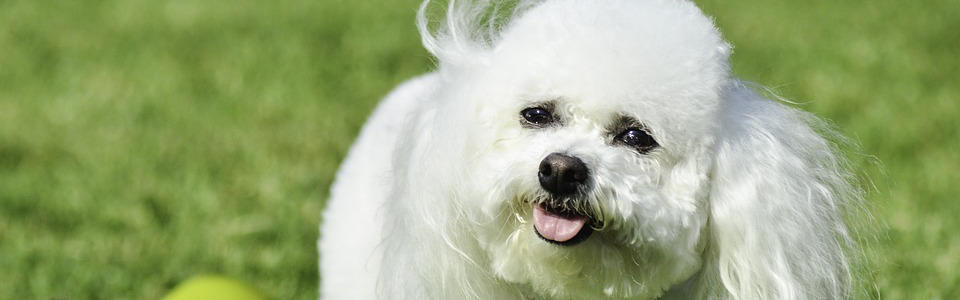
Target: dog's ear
[{"x": 777, "y": 201}]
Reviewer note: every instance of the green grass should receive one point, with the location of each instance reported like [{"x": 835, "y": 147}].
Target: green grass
[{"x": 143, "y": 142}]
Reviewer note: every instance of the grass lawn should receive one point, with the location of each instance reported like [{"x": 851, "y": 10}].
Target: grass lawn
[{"x": 146, "y": 141}]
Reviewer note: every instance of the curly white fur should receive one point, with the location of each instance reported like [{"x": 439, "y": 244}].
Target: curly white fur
[{"x": 743, "y": 199}]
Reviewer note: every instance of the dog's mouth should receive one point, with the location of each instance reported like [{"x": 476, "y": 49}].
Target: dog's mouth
[{"x": 560, "y": 227}]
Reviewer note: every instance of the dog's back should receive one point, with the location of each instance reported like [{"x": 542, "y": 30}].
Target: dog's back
[{"x": 351, "y": 232}]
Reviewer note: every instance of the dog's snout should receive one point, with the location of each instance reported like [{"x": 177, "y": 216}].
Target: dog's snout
[{"x": 562, "y": 174}]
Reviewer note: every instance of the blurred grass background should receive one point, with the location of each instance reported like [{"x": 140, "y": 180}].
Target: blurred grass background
[{"x": 143, "y": 142}]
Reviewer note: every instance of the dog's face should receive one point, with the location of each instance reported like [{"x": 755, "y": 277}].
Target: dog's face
[
  {"x": 601, "y": 150},
  {"x": 589, "y": 142}
]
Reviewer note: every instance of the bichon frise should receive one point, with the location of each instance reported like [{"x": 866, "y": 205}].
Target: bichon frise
[{"x": 585, "y": 149}]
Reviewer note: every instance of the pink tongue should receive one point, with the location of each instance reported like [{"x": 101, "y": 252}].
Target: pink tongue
[{"x": 556, "y": 228}]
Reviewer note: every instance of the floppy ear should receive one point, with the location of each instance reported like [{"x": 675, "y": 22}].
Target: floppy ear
[{"x": 776, "y": 227}]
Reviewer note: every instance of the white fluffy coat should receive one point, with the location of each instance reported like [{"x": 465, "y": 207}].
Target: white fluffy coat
[{"x": 744, "y": 198}]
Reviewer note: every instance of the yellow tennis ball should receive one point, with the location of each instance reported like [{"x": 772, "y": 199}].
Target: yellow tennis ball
[{"x": 213, "y": 288}]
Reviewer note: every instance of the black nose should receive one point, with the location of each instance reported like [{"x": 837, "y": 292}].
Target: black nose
[{"x": 562, "y": 174}]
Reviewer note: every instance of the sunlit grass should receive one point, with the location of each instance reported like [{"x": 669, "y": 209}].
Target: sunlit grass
[{"x": 143, "y": 142}]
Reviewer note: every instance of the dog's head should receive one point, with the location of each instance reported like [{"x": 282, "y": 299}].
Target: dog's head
[{"x": 602, "y": 149}]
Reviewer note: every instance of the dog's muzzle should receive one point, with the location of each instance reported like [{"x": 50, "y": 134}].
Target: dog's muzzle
[{"x": 557, "y": 220}]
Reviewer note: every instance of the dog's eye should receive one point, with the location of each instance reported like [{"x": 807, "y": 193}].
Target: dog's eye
[
  {"x": 637, "y": 138},
  {"x": 537, "y": 116}
]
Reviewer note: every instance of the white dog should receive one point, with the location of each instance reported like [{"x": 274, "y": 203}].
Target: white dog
[{"x": 586, "y": 149}]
